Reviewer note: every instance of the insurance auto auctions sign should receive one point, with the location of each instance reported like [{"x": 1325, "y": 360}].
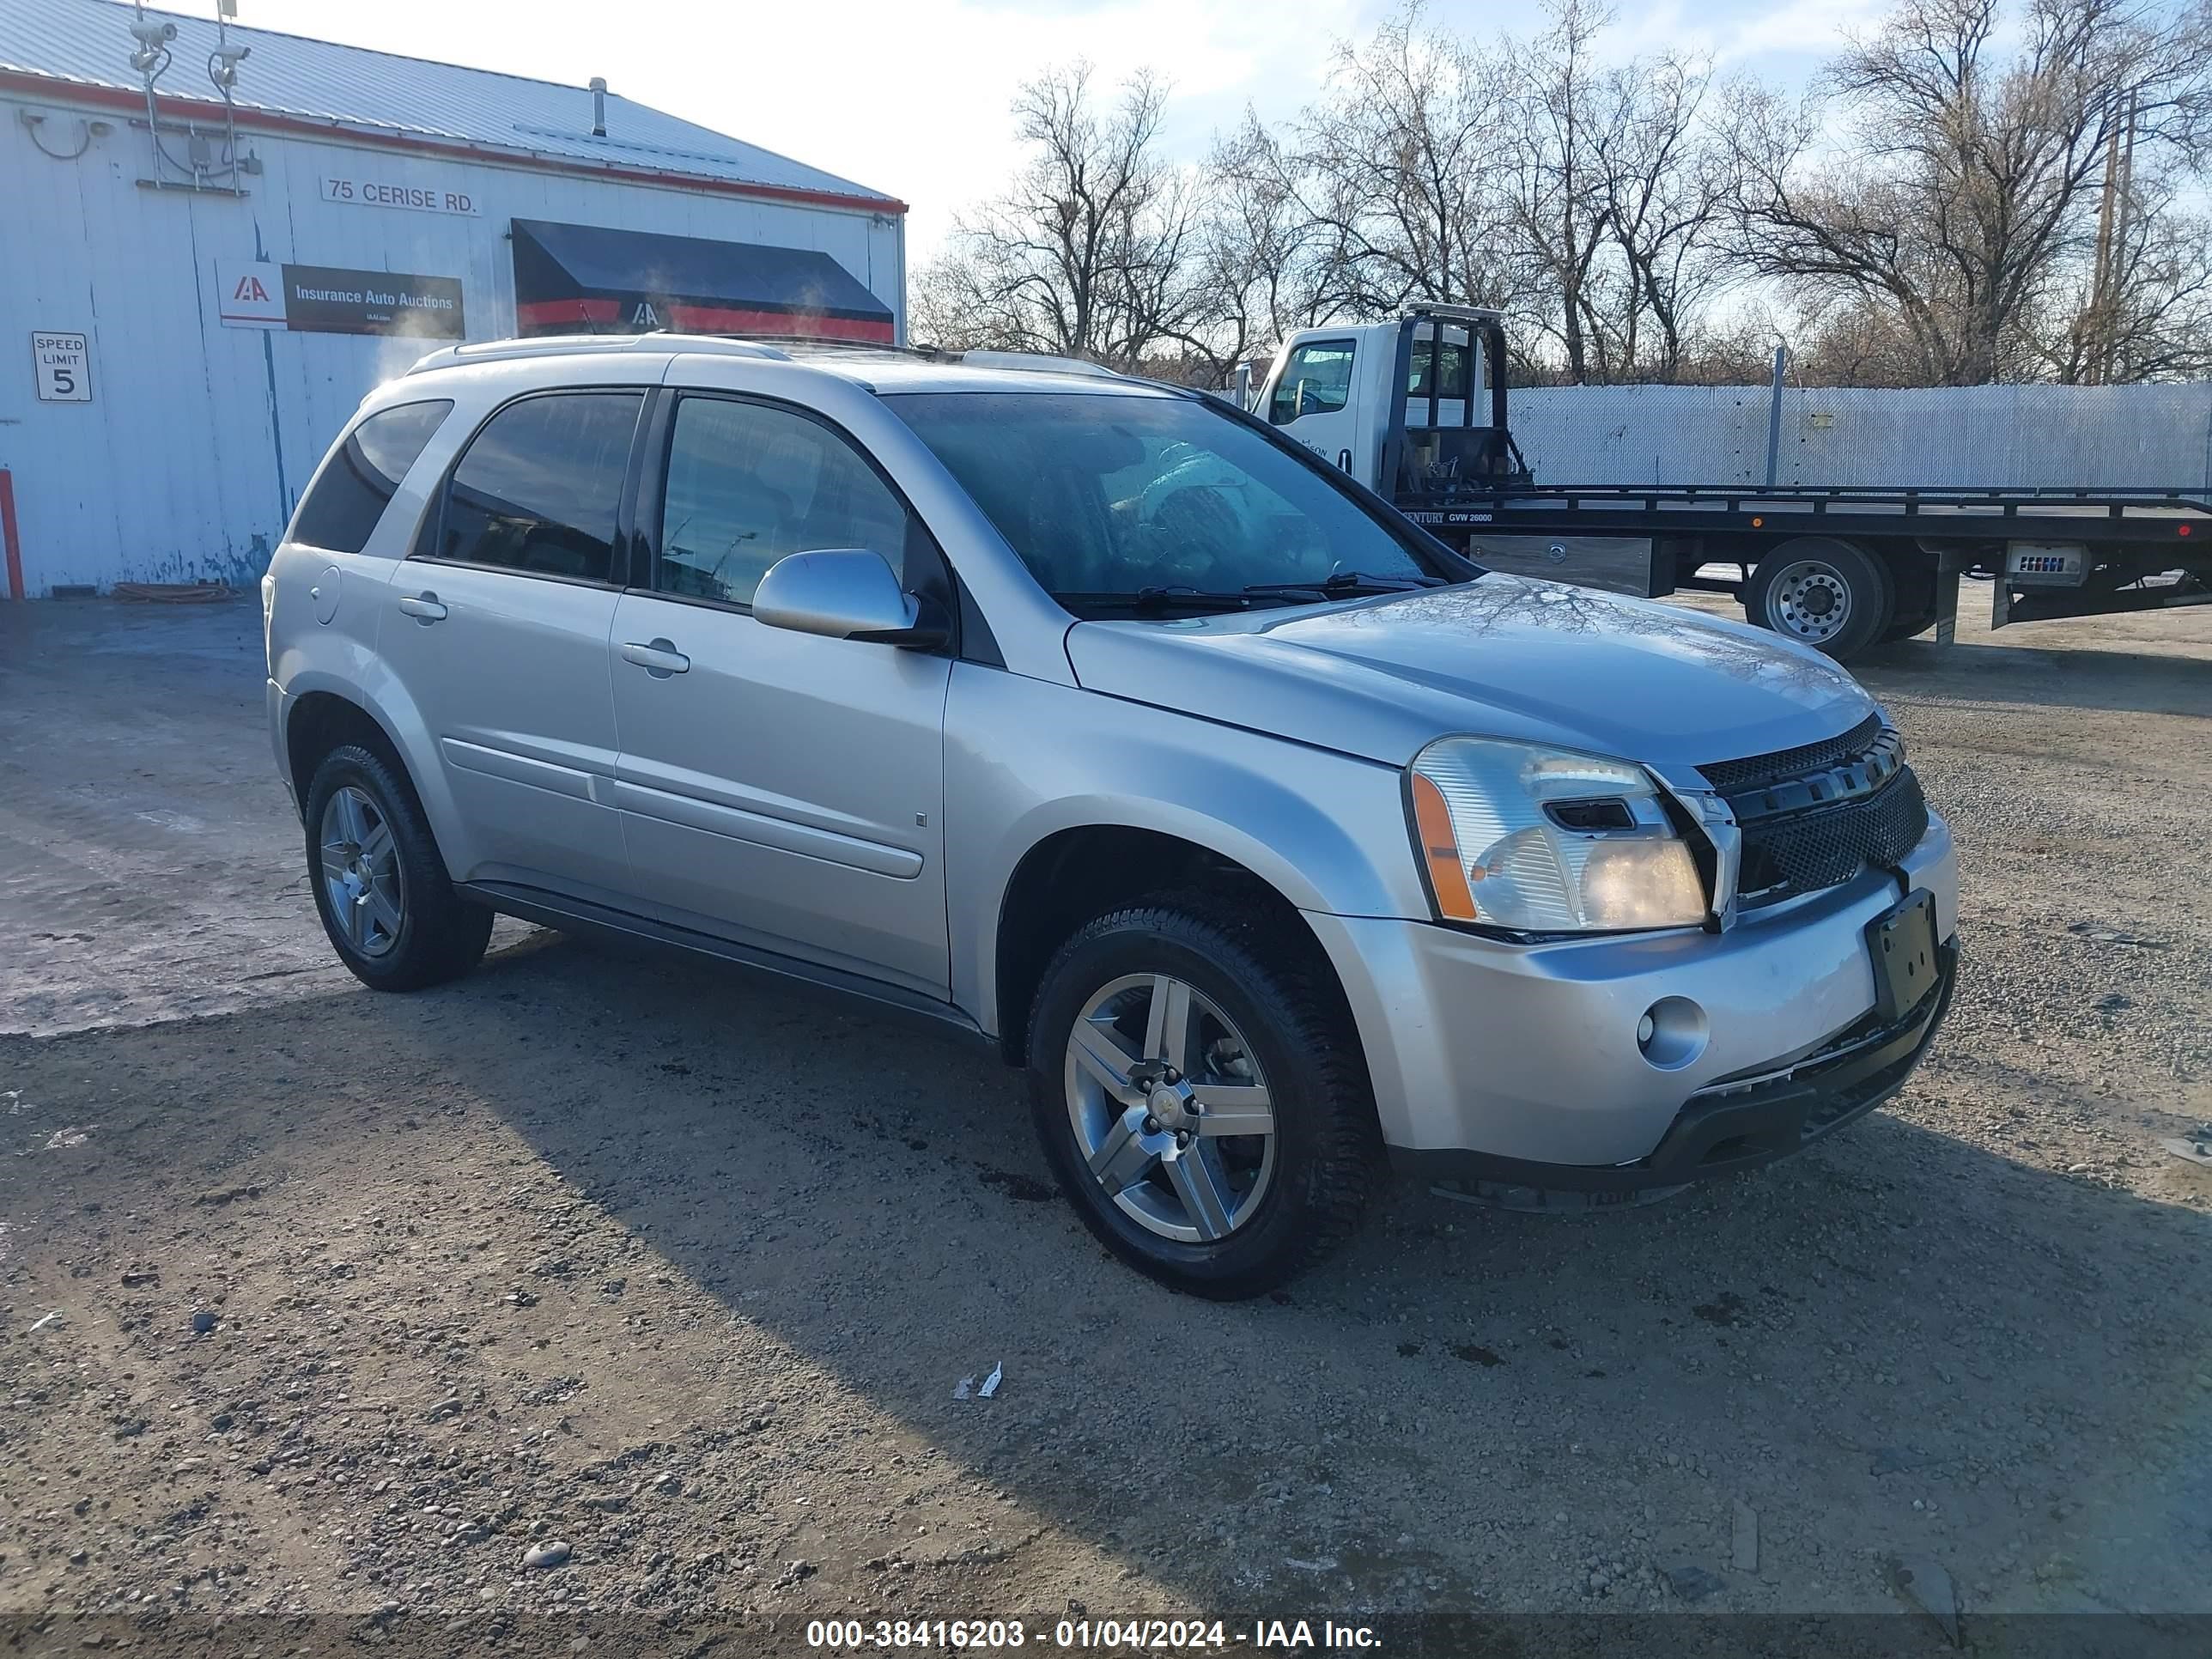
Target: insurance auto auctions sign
[{"x": 333, "y": 299}]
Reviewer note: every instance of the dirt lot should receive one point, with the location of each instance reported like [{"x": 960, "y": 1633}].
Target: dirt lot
[{"x": 682, "y": 1273}]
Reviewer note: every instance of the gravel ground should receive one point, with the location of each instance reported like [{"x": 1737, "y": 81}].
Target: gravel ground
[{"x": 601, "y": 1283}]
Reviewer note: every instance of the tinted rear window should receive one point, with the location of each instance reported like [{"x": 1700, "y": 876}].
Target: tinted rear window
[
  {"x": 537, "y": 488},
  {"x": 342, "y": 510}
]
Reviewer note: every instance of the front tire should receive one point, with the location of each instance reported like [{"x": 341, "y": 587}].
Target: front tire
[
  {"x": 380, "y": 884},
  {"x": 1832, "y": 595},
  {"x": 1200, "y": 1093}
]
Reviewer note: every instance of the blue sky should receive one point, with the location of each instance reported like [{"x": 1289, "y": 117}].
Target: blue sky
[{"x": 911, "y": 96}]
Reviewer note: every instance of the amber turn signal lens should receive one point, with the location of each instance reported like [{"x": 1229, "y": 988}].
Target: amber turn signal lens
[{"x": 1440, "y": 851}]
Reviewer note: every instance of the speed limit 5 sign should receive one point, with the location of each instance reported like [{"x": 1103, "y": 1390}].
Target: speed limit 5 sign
[{"x": 65, "y": 367}]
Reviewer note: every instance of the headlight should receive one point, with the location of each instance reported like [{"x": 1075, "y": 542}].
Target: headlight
[{"x": 1547, "y": 841}]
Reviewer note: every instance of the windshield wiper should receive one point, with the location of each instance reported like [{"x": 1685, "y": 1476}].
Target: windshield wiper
[
  {"x": 1175, "y": 597},
  {"x": 1345, "y": 584}
]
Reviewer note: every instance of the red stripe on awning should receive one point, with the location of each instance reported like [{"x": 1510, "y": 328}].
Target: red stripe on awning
[
  {"x": 739, "y": 319},
  {"x": 543, "y": 314},
  {"x": 562, "y": 314}
]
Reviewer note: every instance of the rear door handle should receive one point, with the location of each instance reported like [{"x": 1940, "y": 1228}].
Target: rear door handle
[
  {"x": 423, "y": 607},
  {"x": 658, "y": 657}
]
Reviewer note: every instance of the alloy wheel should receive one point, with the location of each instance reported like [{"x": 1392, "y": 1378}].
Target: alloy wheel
[
  {"x": 1809, "y": 600},
  {"x": 1171, "y": 1112},
  {"x": 360, "y": 873}
]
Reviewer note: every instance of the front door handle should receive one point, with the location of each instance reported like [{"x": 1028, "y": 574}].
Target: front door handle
[
  {"x": 423, "y": 607},
  {"x": 658, "y": 657}
]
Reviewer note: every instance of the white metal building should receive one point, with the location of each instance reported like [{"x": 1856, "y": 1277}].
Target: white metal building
[{"x": 196, "y": 288}]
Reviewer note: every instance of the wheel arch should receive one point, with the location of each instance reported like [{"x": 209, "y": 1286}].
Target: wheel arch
[
  {"x": 319, "y": 721},
  {"x": 322, "y": 712},
  {"x": 1077, "y": 873}
]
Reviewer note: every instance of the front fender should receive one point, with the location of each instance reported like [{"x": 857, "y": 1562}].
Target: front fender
[{"x": 1025, "y": 760}]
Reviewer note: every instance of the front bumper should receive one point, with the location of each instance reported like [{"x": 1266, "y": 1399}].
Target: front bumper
[
  {"x": 1520, "y": 1062},
  {"x": 1737, "y": 1125}
]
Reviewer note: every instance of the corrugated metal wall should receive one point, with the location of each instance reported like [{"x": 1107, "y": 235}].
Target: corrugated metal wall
[
  {"x": 1992, "y": 437},
  {"x": 187, "y": 462}
]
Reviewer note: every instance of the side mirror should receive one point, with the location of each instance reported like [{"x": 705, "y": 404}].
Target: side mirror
[{"x": 846, "y": 593}]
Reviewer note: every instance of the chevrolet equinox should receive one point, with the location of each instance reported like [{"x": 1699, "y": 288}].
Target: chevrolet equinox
[{"x": 1091, "y": 718}]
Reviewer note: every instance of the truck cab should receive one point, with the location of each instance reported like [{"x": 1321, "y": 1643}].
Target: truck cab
[{"x": 1409, "y": 407}]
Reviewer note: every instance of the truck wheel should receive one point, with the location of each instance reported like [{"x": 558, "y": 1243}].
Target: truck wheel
[
  {"x": 1200, "y": 1095},
  {"x": 1826, "y": 594},
  {"x": 379, "y": 885}
]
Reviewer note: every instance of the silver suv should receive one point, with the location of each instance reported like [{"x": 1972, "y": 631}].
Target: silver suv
[{"x": 1090, "y": 717}]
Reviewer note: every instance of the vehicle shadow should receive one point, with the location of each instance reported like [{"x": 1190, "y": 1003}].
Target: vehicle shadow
[
  {"x": 1897, "y": 1343},
  {"x": 2041, "y": 677},
  {"x": 2037, "y": 664}
]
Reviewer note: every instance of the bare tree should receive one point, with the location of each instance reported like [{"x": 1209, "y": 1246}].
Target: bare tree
[
  {"x": 1563, "y": 143},
  {"x": 1973, "y": 173},
  {"x": 1670, "y": 188},
  {"x": 1397, "y": 170},
  {"x": 1090, "y": 251},
  {"x": 1262, "y": 269}
]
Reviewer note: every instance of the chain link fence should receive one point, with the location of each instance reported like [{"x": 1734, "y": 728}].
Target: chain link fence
[{"x": 2012, "y": 437}]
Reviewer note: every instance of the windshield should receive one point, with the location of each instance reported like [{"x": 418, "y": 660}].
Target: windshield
[{"x": 1162, "y": 498}]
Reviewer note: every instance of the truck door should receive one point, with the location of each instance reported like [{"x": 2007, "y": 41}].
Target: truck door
[{"x": 1312, "y": 399}]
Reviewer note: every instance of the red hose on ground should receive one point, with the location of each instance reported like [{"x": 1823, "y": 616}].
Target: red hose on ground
[{"x": 172, "y": 593}]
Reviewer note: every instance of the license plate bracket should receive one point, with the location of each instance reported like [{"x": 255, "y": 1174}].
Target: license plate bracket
[{"x": 1902, "y": 943}]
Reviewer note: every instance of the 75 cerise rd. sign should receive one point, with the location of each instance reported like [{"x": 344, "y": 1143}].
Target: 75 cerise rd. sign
[{"x": 365, "y": 191}]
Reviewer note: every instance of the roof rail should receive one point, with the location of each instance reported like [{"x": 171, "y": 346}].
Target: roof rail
[
  {"x": 559, "y": 345},
  {"x": 1041, "y": 362},
  {"x": 771, "y": 347},
  {"x": 823, "y": 345}
]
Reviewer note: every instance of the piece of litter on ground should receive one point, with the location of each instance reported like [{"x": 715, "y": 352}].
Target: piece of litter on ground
[
  {"x": 1743, "y": 1553},
  {"x": 2196, "y": 1150},
  {"x": 2114, "y": 936},
  {"x": 1694, "y": 1583},
  {"x": 1925, "y": 1584},
  {"x": 1324, "y": 1564},
  {"x": 961, "y": 1390},
  {"x": 48, "y": 1320},
  {"x": 991, "y": 1382}
]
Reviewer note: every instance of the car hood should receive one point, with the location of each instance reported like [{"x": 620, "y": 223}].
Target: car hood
[{"x": 1502, "y": 656}]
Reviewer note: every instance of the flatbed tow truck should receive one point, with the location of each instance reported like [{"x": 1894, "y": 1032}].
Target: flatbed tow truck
[{"x": 1399, "y": 405}]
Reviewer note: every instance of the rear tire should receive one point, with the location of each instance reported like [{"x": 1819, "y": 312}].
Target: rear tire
[
  {"x": 380, "y": 887},
  {"x": 1150, "y": 1165},
  {"x": 1832, "y": 595}
]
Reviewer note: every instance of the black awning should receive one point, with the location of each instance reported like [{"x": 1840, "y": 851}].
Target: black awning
[{"x": 585, "y": 278}]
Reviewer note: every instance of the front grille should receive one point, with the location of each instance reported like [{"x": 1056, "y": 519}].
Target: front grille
[
  {"x": 1815, "y": 816},
  {"x": 1760, "y": 770},
  {"x": 1804, "y": 852}
]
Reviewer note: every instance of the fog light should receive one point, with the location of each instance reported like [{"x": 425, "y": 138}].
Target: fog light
[{"x": 1671, "y": 1033}]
